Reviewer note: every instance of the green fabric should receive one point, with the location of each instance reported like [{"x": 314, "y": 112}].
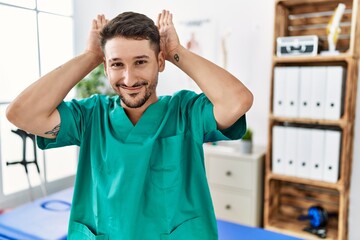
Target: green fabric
[{"x": 146, "y": 181}]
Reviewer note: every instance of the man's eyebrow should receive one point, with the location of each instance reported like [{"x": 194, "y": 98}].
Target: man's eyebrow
[
  {"x": 136, "y": 57},
  {"x": 114, "y": 59},
  {"x": 141, "y": 56}
]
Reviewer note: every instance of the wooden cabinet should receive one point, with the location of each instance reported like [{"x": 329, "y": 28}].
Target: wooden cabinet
[
  {"x": 236, "y": 183},
  {"x": 287, "y": 197}
]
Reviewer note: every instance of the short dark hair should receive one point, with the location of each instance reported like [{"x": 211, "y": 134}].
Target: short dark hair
[{"x": 131, "y": 25}]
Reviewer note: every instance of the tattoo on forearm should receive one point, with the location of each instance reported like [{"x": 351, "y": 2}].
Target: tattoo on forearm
[
  {"x": 55, "y": 131},
  {"x": 176, "y": 57}
]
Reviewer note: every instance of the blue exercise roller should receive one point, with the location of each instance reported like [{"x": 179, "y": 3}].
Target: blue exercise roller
[{"x": 317, "y": 215}]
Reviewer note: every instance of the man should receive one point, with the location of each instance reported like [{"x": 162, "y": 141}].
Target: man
[{"x": 141, "y": 166}]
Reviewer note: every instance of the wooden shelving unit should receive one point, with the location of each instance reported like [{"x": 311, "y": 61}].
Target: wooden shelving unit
[{"x": 287, "y": 197}]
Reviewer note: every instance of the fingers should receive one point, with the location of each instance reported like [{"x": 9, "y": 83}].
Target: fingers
[
  {"x": 94, "y": 24},
  {"x": 164, "y": 19},
  {"x": 158, "y": 20},
  {"x": 103, "y": 20},
  {"x": 170, "y": 18},
  {"x": 99, "y": 22}
]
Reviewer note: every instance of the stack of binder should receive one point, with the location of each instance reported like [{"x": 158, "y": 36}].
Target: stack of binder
[
  {"x": 309, "y": 92},
  {"x": 306, "y": 152}
]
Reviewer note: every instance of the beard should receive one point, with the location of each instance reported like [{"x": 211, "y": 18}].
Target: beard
[{"x": 136, "y": 100}]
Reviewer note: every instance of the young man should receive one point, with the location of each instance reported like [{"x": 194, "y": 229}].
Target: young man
[{"x": 141, "y": 167}]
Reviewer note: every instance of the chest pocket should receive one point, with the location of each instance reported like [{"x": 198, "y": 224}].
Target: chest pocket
[{"x": 167, "y": 161}]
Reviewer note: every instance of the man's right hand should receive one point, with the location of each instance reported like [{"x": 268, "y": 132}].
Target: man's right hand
[{"x": 93, "y": 44}]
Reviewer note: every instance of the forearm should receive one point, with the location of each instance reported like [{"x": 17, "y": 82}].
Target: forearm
[
  {"x": 40, "y": 99},
  {"x": 230, "y": 97}
]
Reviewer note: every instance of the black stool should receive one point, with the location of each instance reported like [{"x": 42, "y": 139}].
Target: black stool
[{"x": 24, "y": 135}]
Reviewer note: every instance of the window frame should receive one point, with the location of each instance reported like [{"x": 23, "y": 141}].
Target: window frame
[{"x": 22, "y": 196}]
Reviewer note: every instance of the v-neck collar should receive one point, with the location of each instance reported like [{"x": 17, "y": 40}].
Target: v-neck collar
[{"x": 147, "y": 125}]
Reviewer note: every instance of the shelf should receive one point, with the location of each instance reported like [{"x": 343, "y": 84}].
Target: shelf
[
  {"x": 290, "y": 200},
  {"x": 339, "y": 123},
  {"x": 288, "y": 197},
  {"x": 272, "y": 176},
  {"x": 288, "y": 226},
  {"x": 292, "y": 3},
  {"x": 343, "y": 57}
]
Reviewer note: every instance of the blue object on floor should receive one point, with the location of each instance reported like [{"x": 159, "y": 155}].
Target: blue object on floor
[
  {"x": 45, "y": 218},
  {"x": 232, "y": 231}
]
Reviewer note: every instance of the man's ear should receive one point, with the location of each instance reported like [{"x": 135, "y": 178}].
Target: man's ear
[{"x": 161, "y": 61}]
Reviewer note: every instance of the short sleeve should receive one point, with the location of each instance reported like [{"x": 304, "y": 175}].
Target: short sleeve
[
  {"x": 202, "y": 120},
  {"x": 74, "y": 117},
  {"x": 234, "y": 132}
]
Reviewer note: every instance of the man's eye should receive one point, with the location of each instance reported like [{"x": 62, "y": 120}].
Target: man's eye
[
  {"x": 140, "y": 62},
  {"x": 116, "y": 65}
]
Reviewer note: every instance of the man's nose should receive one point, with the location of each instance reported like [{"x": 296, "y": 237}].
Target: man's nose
[{"x": 129, "y": 77}]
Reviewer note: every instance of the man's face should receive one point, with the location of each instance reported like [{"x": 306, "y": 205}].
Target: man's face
[{"x": 132, "y": 68}]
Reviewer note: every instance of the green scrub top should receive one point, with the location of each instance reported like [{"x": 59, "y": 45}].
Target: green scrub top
[{"x": 142, "y": 182}]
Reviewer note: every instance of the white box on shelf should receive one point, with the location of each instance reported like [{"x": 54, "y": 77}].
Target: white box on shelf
[
  {"x": 318, "y": 93},
  {"x": 334, "y": 92},
  {"x": 303, "y": 153},
  {"x": 332, "y": 155},
  {"x": 279, "y": 91},
  {"x": 297, "y": 45},
  {"x": 292, "y": 92},
  {"x": 291, "y": 142},
  {"x": 305, "y": 92},
  {"x": 278, "y": 151},
  {"x": 317, "y": 154}
]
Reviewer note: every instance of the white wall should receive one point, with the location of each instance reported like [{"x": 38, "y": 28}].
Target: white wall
[{"x": 251, "y": 23}]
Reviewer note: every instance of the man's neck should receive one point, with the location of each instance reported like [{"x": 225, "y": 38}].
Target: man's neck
[{"x": 134, "y": 114}]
